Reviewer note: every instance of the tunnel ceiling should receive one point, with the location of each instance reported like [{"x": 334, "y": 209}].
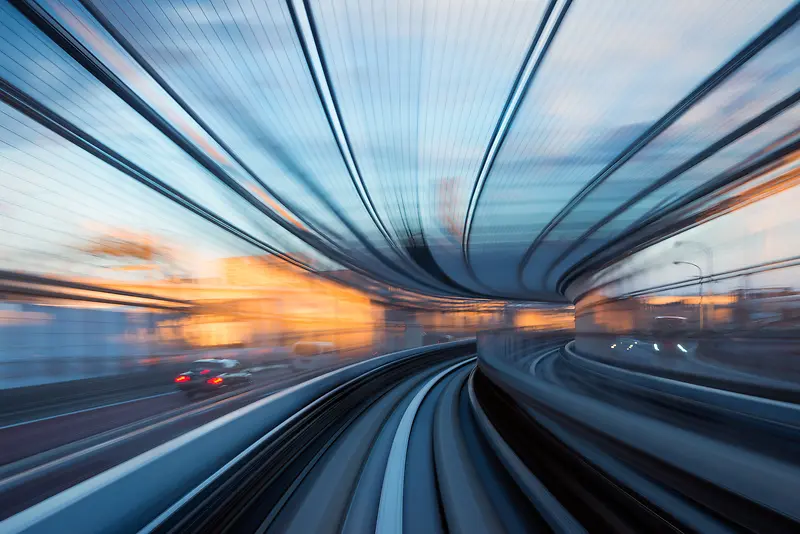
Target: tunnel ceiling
[{"x": 470, "y": 149}]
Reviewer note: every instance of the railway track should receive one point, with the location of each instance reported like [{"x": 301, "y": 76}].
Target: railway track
[{"x": 441, "y": 441}]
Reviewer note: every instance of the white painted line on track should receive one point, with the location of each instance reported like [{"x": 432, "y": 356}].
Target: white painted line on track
[
  {"x": 390, "y": 509},
  {"x": 43, "y": 511},
  {"x": 40, "y": 419},
  {"x": 150, "y": 527},
  {"x": 548, "y": 506},
  {"x": 49, "y": 507}
]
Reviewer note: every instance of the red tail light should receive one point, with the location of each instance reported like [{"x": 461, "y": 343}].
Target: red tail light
[
  {"x": 205, "y": 371},
  {"x": 214, "y": 381},
  {"x": 182, "y": 378}
]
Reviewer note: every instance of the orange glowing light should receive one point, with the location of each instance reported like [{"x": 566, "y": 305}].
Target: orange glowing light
[
  {"x": 276, "y": 207},
  {"x": 143, "y": 85}
]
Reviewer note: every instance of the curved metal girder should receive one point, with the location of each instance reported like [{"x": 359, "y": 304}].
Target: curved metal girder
[
  {"x": 695, "y": 160},
  {"x": 777, "y": 28},
  {"x": 519, "y": 89}
]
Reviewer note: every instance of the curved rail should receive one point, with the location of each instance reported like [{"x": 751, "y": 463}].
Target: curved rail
[{"x": 534, "y": 438}]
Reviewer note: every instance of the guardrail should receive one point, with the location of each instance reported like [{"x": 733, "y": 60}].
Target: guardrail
[
  {"x": 128, "y": 496},
  {"x": 728, "y": 404}
]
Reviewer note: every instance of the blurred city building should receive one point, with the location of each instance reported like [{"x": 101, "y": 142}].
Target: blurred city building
[{"x": 82, "y": 327}]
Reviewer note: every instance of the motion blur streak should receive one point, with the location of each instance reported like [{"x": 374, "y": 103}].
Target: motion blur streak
[{"x": 400, "y": 266}]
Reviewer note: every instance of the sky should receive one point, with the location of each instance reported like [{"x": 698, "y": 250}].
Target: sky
[
  {"x": 759, "y": 233},
  {"x": 345, "y": 120}
]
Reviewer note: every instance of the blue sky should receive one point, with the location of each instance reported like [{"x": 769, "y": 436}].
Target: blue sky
[{"x": 420, "y": 87}]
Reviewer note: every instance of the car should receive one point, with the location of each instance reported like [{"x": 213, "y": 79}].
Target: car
[{"x": 206, "y": 376}]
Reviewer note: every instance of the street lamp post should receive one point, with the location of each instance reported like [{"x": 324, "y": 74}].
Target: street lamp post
[
  {"x": 700, "y": 277},
  {"x": 709, "y": 265}
]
